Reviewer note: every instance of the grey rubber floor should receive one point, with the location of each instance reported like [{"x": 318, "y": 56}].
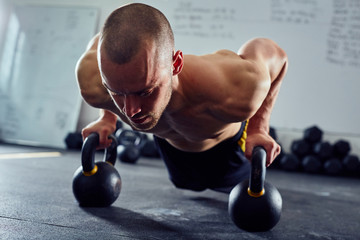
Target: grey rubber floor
[{"x": 36, "y": 202}]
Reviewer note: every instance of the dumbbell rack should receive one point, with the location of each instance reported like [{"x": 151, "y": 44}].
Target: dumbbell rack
[{"x": 312, "y": 155}]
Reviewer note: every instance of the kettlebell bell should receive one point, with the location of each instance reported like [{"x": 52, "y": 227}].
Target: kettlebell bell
[
  {"x": 255, "y": 205},
  {"x": 96, "y": 184}
]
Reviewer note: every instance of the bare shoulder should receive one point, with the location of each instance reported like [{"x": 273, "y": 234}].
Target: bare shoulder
[
  {"x": 219, "y": 62},
  {"x": 232, "y": 86},
  {"x": 225, "y": 81},
  {"x": 219, "y": 55},
  {"x": 89, "y": 79},
  {"x": 225, "y": 53},
  {"x": 223, "y": 66}
]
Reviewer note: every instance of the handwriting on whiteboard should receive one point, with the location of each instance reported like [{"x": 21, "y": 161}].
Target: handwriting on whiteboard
[
  {"x": 343, "y": 22},
  {"x": 343, "y": 40},
  {"x": 202, "y": 21},
  {"x": 294, "y": 11}
]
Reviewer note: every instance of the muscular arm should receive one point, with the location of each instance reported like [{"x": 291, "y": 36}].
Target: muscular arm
[
  {"x": 245, "y": 86},
  {"x": 273, "y": 60},
  {"x": 241, "y": 86},
  {"x": 89, "y": 79}
]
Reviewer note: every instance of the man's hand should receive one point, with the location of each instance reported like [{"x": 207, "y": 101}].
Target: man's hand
[
  {"x": 262, "y": 138},
  {"x": 104, "y": 126}
]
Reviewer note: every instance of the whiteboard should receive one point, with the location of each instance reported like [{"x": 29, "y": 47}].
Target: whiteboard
[
  {"x": 321, "y": 38},
  {"x": 39, "y": 96}
]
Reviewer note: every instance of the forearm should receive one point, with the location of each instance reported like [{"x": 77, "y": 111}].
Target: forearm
[
  {"x": 261, "y": 120},
  {"x": 108, "y": 116}
]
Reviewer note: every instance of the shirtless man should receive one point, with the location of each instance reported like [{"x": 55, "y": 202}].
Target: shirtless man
[{"x": 200, "y": 109}]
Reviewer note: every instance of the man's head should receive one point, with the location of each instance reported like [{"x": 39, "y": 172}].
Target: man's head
[
  {"x": 137, "y": 62},
  {"x": 126, "y": 29}
]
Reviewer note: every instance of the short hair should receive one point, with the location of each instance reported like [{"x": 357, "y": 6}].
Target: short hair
[{"x": 131, "y": 25}]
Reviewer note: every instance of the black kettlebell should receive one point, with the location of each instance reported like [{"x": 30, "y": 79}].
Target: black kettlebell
[
  {"x": 96, "y": 184},
  {"x": 130, "y": 144},
  {"x": 255, "y": 205}
]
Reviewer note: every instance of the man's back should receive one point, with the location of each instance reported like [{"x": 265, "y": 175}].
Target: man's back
[{"x": 214, "y": 95}]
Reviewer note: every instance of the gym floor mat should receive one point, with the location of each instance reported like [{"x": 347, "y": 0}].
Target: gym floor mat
[{"x": 37, "y": 203}]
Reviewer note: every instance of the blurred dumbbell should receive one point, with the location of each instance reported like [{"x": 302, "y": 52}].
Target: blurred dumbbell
[
  {"x": 341, "y": 148},
  {"x": 313, "y": 134},
  {"x": 289, "y": 162},
  {"x": 351, "y": 164},
  {"x": 74, "y": 141},
  {"x": 130, "y": 144},
  {"x": 149, "y": 149},
  {"x": 332, "y": 166},
  {"x": 311, "y": 164},
  {"x": 323, "y": 150},
  {"x": 300, "y": 148}
]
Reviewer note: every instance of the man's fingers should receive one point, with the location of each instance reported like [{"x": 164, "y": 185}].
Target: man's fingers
[
  {"x": 273, "y": 152},
  {"x": 85, "y": 133}
]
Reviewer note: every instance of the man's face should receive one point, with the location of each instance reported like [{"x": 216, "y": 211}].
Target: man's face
[{"x": 141, "y": 89}]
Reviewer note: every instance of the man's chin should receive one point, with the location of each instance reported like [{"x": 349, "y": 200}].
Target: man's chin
[{"x": 144, "y": 127}]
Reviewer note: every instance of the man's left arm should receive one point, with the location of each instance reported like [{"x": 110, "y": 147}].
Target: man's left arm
[{"x": 275, "y": 60}]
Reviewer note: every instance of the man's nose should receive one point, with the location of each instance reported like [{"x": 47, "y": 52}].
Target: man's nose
[{"x": 131, "y": 105}]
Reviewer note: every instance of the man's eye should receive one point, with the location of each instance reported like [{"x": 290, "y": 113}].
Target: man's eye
[{"x": 146, "y": 93}]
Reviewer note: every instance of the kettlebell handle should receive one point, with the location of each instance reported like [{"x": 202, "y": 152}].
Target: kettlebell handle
[
  {"x": 88, "y": 152},
  {"x": 257, "y": 173}
]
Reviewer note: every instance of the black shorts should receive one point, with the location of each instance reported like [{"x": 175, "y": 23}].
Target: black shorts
[{"x": 219, "y": 168}]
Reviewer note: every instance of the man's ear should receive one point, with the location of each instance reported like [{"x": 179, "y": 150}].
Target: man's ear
[{"x": 178, "y": 62}]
